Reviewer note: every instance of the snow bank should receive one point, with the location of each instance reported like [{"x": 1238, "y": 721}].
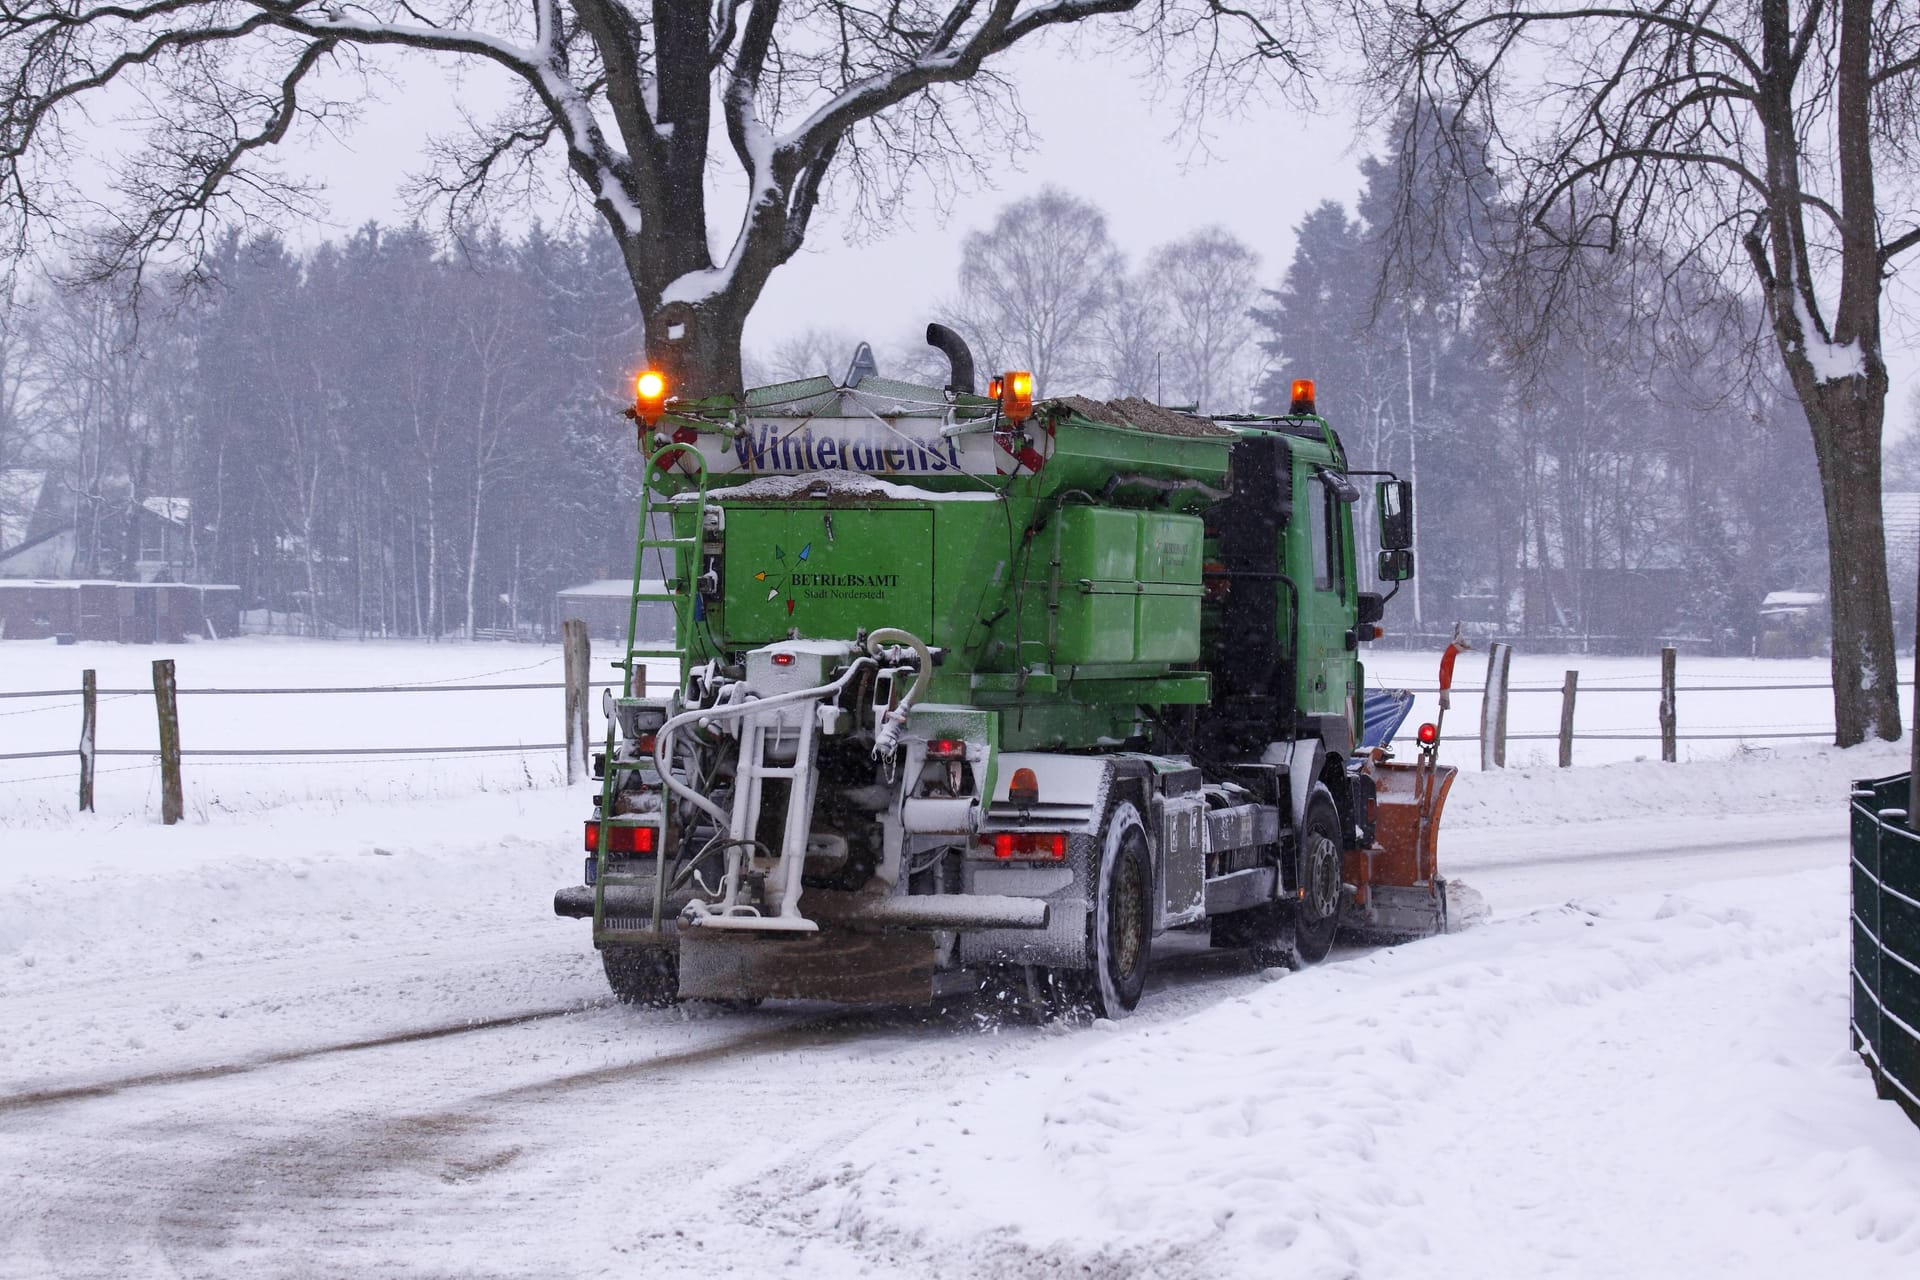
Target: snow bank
[
  {"x": 1644, "y": 1086},
  {"x": 148, "y": 947},
  {"x": 1755, "y": 780}
]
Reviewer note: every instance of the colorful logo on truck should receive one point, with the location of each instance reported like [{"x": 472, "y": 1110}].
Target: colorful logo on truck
[{"x": 777, "y": 581}]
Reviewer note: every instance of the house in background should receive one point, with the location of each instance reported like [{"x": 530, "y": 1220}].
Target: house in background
[
  {"x": 36, "y": 535},
  {"x": 1793, "y": 624},
  {"x": 40, "y": 536},
  {"x": 151, "y": 542},
  {"x": 603, "y": 606}
]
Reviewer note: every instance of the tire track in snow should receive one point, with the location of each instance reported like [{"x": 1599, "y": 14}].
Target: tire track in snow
[{"x": 1306, "y": 1129}]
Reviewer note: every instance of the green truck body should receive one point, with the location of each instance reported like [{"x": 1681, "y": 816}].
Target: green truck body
[{"x": 958, "y": 692}]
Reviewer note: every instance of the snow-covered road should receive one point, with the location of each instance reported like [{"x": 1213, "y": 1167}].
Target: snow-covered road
[{"x": 282, "y": 1049}]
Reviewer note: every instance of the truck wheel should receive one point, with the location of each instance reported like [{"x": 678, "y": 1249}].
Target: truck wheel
[
  {"x": 647, "y": 976},
  {"x": 1316, "y": 912},
  {"x": 1120, "y": 926}
]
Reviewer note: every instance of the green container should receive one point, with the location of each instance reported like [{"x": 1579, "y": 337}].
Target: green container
[{"x": 1128, "y": 587}]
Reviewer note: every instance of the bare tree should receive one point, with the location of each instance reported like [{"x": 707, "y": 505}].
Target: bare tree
[
  {"x": 878, "y": 93},
  {"x": 1131, "y": 337},
  {"x": 1776, "y": 137},
  {"x": 1033, "y": 285},
  {"x": 1209, "y": 280},
  {"x": 810, "y": 353}
]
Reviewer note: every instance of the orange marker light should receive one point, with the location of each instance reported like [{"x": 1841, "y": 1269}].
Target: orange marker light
[
  {"x": 993, "y": 388},
  {"x": 1016, "y": 396},
  {"x": 649, "y": 396},
  {"x": 1302, "y": 396}
]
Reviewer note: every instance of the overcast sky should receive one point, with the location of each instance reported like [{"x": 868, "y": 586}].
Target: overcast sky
[{"x": 1096, "y": 135}]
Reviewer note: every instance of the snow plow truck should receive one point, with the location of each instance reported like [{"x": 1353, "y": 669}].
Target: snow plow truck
[{"x": 971, "y": 688}]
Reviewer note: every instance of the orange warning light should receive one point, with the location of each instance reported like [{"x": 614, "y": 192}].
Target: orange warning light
[
  {"x": 649, "y": 396},
  {"x": 1016, "y": 395},
  {"x": 1302, "y": 396}
]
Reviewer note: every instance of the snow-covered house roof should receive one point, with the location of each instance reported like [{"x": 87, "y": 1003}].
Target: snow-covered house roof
[
  {"x": 617, "y": 588},
  {"x": 1785, "y": 603},
  {"x": 178, "y": 510}
]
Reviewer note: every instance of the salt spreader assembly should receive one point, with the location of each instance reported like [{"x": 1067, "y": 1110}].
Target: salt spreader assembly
[{"x": 969, "y": 687}]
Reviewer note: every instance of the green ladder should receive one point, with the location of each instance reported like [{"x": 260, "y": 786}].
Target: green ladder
[{"x": 678, "y": 588}]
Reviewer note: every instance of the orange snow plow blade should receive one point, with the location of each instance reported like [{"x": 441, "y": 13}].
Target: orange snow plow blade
[{"x": 1398, "y": 891}]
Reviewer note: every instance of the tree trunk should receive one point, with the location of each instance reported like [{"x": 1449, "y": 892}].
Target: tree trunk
[
  {"x": 697, "y": 347},
  {"x": 433, "y": 558},
  {"x": 473, "y": 542},
  {"x": 1846, "y": 418}
]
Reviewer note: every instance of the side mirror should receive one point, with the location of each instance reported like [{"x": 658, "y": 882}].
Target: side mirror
[
  {"x": 1394, "y": 500},
  {"x": 1396, "y": 566}
]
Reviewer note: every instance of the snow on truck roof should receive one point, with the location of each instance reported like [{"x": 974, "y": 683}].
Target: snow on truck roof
[
  {"x": 1142, "y": 415},
  {"x": 822, "y": 397}
]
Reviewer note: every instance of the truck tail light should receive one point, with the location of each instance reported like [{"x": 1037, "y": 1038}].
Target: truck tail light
[
  {"x": 946, "y": 749},
  {"x": 782, "y": 659},
  {"x": 620, "y": 839},
  {"x": 1043, "y": 845}
]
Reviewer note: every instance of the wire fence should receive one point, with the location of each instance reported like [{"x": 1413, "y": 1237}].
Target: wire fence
[
  {"x": 448, "y": 750},
  {"x": 1885, "y": 969},
  {"x": 1494, "y": 733}
]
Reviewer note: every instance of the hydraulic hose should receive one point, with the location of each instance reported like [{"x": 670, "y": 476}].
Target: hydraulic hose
[{"x": 886, "y": 734}]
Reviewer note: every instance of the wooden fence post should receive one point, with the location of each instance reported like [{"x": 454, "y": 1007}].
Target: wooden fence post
[
  {"x": 169, "y": 712},
  {"x": 577, "y": 652},
  {"x": 1567, "y": 692},
  {"x": 89, "y": 709},
  {"x": 1668, "y": 719},
  {"x": 1493, "y": 708}
]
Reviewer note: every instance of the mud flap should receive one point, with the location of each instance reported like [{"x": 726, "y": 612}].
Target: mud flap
[{"x": 852, "y": 968}]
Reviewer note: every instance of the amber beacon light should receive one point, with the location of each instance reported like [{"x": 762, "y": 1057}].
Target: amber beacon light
[
  {"x": 1302, "y": 396},
  {"x": 1016, "y": 395},
  {"x": 650, "y": 396}
]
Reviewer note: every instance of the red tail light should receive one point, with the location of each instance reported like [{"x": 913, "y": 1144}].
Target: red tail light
[
  {"x": 620, "y": 839},
  {"x": 946, "y": 749},
  {"x": 1428, "y": 735},
  {"x": 782, "y": 659},
  {"x": 1051, "y": 845}
]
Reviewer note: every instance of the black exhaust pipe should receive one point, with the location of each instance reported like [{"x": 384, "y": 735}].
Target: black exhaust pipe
[{"x": 959, "y": 359}]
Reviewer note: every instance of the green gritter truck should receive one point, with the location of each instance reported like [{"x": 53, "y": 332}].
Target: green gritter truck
[{"x": 972, "y": 688}]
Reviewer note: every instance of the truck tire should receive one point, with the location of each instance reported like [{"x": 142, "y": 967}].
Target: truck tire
[
  {"x": 1316, "y": 911},
  {"x": 648, "y": 976},
  {"x": 1119, "y": 926}
]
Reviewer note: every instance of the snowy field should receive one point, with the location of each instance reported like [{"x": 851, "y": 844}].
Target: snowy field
[
  {"x": 338, "y": 1033},
  {"x": 1617, "y": 697}
]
